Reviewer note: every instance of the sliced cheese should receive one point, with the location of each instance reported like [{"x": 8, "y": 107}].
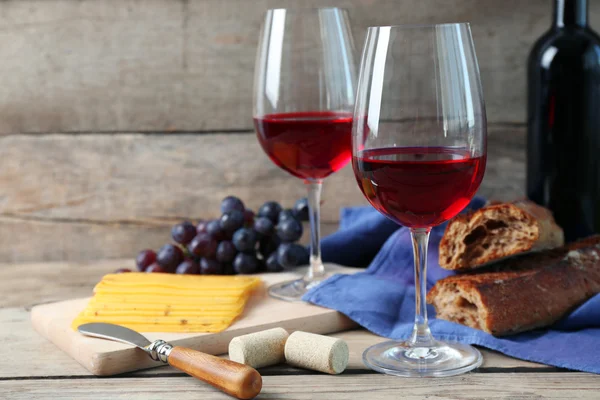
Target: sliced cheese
[{"x": 168, "y": 302}]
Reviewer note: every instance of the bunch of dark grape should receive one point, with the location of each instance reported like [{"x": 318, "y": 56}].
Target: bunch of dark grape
[{"x": 239, "y": 242}]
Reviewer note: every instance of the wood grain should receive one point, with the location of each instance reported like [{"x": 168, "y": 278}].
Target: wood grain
[
  {"x": 26, "y": 240},
  {"x": 358, "y": 340},
  {"x": 104, "y": 357},
  {"x": 147, "y": 180},
  {"x": 29, "y": 354},
  {"x": 104, "y": 196},
  {"x": 88, "y": 197},
  {"x": 113, "y": 69},
  {"x": 522, "y": 386},
  {"x": 235, "y": 379},
  {"x": 59, "y": 281},
  {"x": 40, "y": 283},
  {"x": 165, "y": 65}
]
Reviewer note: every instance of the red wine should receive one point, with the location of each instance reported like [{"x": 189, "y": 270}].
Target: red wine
[
  {"x": 309, "y": 145},
  {"x": 563, "y": 138},
  {"x": 418, "y": 186}
]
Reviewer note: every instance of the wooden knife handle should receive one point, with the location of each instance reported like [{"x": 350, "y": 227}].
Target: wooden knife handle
[{"x": 233, "y": 378}]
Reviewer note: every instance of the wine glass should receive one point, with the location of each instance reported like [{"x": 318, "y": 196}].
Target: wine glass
[
  {"x": 304, "y": 89},
  {"x": 419, "y": 155}
]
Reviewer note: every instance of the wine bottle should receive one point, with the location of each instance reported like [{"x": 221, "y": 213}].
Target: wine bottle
[{"x": 563, "y": 118}]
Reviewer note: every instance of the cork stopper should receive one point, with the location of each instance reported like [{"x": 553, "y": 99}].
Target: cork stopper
[
  {"x": 317, "y": 352},
  {"x": 259, "y": 349}
]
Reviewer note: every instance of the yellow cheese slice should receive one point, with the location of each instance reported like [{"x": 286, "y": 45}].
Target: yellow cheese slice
[{"x": 168, "y": 302}]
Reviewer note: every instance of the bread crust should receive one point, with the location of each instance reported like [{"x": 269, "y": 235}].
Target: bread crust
[
  {"x": 495, "y": 232},
  {"x": 522, "y": 293}
]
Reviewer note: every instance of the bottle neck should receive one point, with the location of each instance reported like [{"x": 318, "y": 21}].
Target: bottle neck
[{"x": 570, "y": 13}]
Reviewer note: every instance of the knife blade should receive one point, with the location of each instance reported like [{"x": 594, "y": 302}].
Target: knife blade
[{"x": 114, "y": 332}]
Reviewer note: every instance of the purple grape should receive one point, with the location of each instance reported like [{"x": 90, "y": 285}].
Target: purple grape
[
  {"x": 226, "y": 252},
  {"x": 231, "y": 221},
  {"x": 228, "y": 269},
  {"x": 230, "y": 203},
  {"x": 210, "y": 267},
  {"x": 286, "y": 214},
  {"x": 245, "y": 240},
  {"x": 261, "y": 265},
  {"x": 264, "y": 226},
  {"x": 245, "y": 263},
  {"x": 282, "y": 252},
  {"x": 289, "y": 230},
  {"x": 301, "y": 209},
  {"x": 188, "y": 267},
  {"x": 213, "y": 228},
  {"x": 169, "y": 257},
  {"x": 203, "y": 245},
  {"x": 303, "y": 254},
  {"x": 144, "y": 259},
  {"x": 184, "y": 232},
  {"x": 186, "y": 252},
  {"x": 155, "y": 268},
  {"x": 271, "y": 210},
  {"x": 122, "y": 270},
  {"x": 201, "y": 227},
  {"x": 291, "y": 255},
  {"x": 248, "y": 218},
  {"x": 268, "y": 245},
  {"x": 272, "y": 264}
]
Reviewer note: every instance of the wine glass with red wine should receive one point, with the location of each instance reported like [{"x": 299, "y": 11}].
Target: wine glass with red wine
[
  {"x": 304, "y": 89},
  {"x": 419, "y": 155}
]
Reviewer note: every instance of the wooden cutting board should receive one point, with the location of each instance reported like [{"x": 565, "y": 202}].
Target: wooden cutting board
[{"x": 104, "y": 357}]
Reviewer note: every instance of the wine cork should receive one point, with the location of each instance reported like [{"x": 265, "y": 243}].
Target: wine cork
[
  {"x": 316, "y": 352},
  {"x": 259, "y": 349}
]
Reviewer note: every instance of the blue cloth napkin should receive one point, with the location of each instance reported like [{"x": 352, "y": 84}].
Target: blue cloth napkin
[{"x": 381, "y": 298}]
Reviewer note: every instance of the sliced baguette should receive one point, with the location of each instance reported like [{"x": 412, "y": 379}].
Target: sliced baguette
[
  {"x": 522, "y": 293},
  {"x": 497, "y": 231}
]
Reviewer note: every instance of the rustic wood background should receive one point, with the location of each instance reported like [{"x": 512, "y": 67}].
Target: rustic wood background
[{"x": 118, "y": 118}]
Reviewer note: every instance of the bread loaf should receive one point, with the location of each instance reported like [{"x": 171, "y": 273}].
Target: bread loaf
[
  {"x": 525, "y": 292},
  {"x": 495, "y": 232}
]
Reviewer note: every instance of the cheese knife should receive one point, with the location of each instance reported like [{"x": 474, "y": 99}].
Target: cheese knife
[{"x": 235, "y": 379}]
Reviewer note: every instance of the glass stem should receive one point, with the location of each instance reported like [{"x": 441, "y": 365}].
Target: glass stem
[
  {"x": 421, "y": 336},
  {"x": 316, "y": 269}
]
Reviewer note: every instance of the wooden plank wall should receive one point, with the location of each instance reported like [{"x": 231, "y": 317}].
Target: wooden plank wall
[{"x": 119, "y": 117}]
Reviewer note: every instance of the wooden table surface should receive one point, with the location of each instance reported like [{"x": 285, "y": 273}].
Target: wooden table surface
[{"x": 33, "y": 368}]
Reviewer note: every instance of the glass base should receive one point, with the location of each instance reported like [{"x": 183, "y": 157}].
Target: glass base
[
  {"x": 437, "y": 360},
  {"x": 293, "y": 290}
]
